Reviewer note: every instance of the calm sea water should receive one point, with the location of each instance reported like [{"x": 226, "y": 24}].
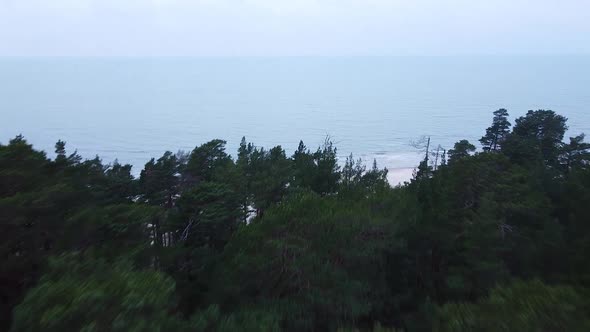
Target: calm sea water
[{"x": 137, "y": 108}]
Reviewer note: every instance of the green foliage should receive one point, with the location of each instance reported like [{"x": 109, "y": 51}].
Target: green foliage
[
  {"x": 315, "y": 253},
  {"x": 317, "y": 171},
  {"x": 462, "y": 149},
  {"x": 21, "y": 167},
  {"x": 208, "y": 161},
  {"x": 200, "y": 242},
  {"x": 497, "y": 133},
  {"x": 576, "y": 154},
  {"x": 520, "y": 306},
  {"x": 213, "y": 212},
  {"x": 537, "y": 137},
  {"x": 303, "y": 167},
  {"x": 247, "y": 320},
  {"x": 352, "y": 172},
  {"x": 327, "y": 169},
  {"x": 159, "y": 181},
  {"x": 265, "y": 175},
  {"x": 113, "y": 229},
  {"x": 356, "y": 179},
  {"x": 52, "y": 207},
  {"x": 84, "y": 294}
]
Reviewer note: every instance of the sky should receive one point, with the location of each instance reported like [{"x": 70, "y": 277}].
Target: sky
[{"x": 293, "y": 27}]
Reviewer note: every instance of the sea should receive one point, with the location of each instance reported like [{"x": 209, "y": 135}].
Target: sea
[{"x": 135, "y": 108}]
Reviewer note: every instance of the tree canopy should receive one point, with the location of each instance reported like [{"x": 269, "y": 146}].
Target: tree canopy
[{"x": 495, "y": 239}]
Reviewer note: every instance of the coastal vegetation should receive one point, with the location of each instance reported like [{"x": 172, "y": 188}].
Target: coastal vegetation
[{"x": 489, "y": 239}]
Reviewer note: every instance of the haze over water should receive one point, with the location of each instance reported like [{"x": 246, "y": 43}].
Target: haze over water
[{"x": 134, "y": 109}]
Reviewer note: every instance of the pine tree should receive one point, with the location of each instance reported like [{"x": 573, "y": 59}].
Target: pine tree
[
  {"x": 496, "y": 134},
  {"x": 575, "y": 154},
  {"x": 537, "y": 137},
  {"x": 461, "y": 150}
]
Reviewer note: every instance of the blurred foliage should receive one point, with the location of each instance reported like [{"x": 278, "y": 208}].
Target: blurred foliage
[
  {"x": 80, "y": 293},
  {"x": 520, "y": 306}
]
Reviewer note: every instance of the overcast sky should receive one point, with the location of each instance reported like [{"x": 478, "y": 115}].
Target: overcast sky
[{"x": 293, "y": 27}]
